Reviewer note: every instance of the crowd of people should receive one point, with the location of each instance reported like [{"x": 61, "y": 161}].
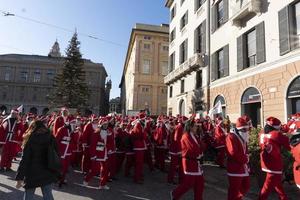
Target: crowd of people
[{"x": 102, "y": 146}]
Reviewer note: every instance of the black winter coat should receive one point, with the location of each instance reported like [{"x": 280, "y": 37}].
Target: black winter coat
[{"x": 33, "y": 166}]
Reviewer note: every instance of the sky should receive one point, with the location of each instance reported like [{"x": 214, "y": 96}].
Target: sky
[{"x": 110, "y": 20}]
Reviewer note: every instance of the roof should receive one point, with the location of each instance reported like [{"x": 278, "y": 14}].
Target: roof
[{"x": 160, "y": 29}]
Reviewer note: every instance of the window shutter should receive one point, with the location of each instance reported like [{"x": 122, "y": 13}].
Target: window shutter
[
  {"x": 260, "y": 43},
  {"x": 226, "y": 14},
  {"x": 241, "y": 53},
  {"x": 203, "y": 39},
  {"x": 284, "y": 32},
  {"x": 186, "y": 49},
  {"x": 196, "y": 40},
  {"x": 213, "y": 67},
  {"x": 196, "y": 4},
  {"x": 294, "y": 40},
  {"x": 213, "y": 19},
  {"x": 226, "y": 60}
]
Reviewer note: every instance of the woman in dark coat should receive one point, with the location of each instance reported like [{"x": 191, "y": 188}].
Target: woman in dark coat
[{"x": 33, "y": 170}]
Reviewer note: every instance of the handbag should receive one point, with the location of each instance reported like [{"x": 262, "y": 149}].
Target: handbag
[{"x": 54, "y": 162}]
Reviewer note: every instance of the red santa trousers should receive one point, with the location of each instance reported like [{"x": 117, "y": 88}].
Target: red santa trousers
[
  {"x": 175, "y": 164},
  {"x": 8, "y": 153},
  {"x": 238, "y": 187},
  {"x": 86, "y": 161},
  {"x": 221, "y": 153},
  {"x": 148, "y": 159},
  {"x": 161, "y": 157},
  {"x": 111, "y": 163},
  {"x": 76, "y": 158},
  {"x": 189, "y": 181},
  {"x": 272, "y": 181},
  {"x": 129, "y": 163},
  {"x": 139, "y": 165},
  {"x": 96, "y": 167},
  {"x": 65, "y": 162},
  {"x": 120, "y": 156}
]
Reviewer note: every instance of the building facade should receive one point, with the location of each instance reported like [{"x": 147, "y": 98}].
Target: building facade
[
  {"x": 254, "y": 55},
  {"x": 142, "y": 85},
  {"x": 28, "y": 80},
  {"x": 115, "y": 106}
]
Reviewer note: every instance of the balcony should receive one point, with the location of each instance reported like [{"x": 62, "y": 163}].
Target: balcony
[
  {"x": 193, "y": 63},
  {"x": 244, "y": 9}
]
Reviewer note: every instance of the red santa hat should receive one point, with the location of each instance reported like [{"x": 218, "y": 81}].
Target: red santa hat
[
  {"x": 241, "y": 123},
  {"x": 274, "y": 122},
  {"x": 104, "y": 120},
  {"x": 94, "y": 118},
  {"x": 219, "y": 118},
  {"x": 141, "y": 115}
]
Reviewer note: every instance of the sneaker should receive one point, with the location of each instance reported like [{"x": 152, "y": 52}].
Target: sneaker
[
  {"x": 85, "y": 183},
  {"x": 105, "y": 187}
]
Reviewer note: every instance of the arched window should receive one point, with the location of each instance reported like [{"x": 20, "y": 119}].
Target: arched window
[
  {"x": 293, "y": 97},
  {"x": 251, "y": 105},
  {"x": 182, "y": 107}
]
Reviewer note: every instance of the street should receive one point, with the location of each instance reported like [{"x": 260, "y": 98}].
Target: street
[{"x": 154, "y": 188}]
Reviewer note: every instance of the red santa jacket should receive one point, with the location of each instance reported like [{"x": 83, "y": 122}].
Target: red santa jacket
[
  {"x": 296, "y": 154},
  {"x": 192, "y": 151},
  {"x": 87, "y": 133},
  {"x": 219, "y": 136},
  {"x": 58, "y": 123},
  {"x": 111, "y": 144},
  {"x": 11, "y": 131},
  {"x": 138, "y": 137},
  {"x": 76, "y": 144},
  {"x": 176, "y": 146},
  {"x": 120, "y": 141},
  {"x": 270, "y": 155},
  {"x": 293, "y": 125},
  {"x": 237, "y": 157},
  {"x": 98, "y": 150},
  {"x": 65, "y": 140},
  {"x": 161, "y": 137}
]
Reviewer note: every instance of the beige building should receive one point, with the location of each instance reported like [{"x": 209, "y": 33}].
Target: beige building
[
  {"x": 28, "y": 80},
  {"x": 142, "y": 85},
  {"x": 254, "y": 55}
]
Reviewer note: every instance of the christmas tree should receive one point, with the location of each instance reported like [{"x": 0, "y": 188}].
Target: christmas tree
[{"x": 70, "y": 88}]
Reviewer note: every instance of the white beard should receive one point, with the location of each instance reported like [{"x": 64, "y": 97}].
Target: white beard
[
  {"x": 245, "y": 136},
  {"x": 95, "y": 126},
  {"x": 103, "y": 134}
]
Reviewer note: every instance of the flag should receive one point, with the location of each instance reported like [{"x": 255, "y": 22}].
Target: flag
[
  {"x": 216, "y": 109},
  {"x": 20, "y": 108}
]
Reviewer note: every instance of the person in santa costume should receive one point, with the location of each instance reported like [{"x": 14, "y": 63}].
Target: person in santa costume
[
  {"x": 295, "y": 145},
  {"x": 11, "y": 137},
  {"x": 111, "y": 148},
  {"x": 76, "y": 156},
  {"x": 149, "y": 137},
  {"x": 129, "y": 152},
  {"x": 65, "y": 138},
  {"x": 139, "y": 147},
  {"x": 88, "y": 131},
  {"x": 98, "y": 152},
  {"x": 271, "y": 140},
  {"x": 219, "y": 141},
  {"x": 61, "y": 120},
  {"x": 192, "y": 151},
  {"x": 120, "y": 145},
  {"x": 237, "y": 160},
  {"x": 175, "y": 151},
  {"x": 161, "y": 143}
]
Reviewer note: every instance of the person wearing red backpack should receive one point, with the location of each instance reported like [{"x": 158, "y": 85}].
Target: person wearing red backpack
[{"x": 271, "y": 141}]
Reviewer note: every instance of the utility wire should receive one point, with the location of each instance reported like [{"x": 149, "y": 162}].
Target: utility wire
[{"x": 6, "y": 14}]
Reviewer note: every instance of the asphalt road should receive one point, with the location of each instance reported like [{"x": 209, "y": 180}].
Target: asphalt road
[{"x": 154, "y": 188}]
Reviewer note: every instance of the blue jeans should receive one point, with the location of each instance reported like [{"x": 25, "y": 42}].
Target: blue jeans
[{"x": 46, "y": 190}]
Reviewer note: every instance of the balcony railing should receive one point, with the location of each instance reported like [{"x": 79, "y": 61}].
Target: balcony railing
[
  {"x": 191, "y": 64},
  {"x": 244, "y": 8}
]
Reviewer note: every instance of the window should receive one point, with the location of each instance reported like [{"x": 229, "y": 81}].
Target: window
[
  {"x": 170, "y": 91},
  {"x": 297, "y": 15},
  {"x": 172, "y": 62},
  {"x": 184, "y": 20},
  {"x": 163, "y": 90},
  {"x": 146, "y": 67},
  {"x": 251, "y": 48},
  {"x": 147, "y": 37},
  {"x": 24, "y": 75},
  {"x": 145, "y": 89},
  {"x": 221, "y": 63},
  {"x": 37, "y": 76},
  {"x": 199, "y": 79},
  {"x": 173, "y": 12},
  {"x": 220, "y": 13},
  {"x": 173, "y": 35},
  {"x": 183, "y": 52},
  {"x": 147, "y": 46},
  {"x": 200, "y": 36},
  {"x": 164, "y": 68},
  {"x": 7, "y": 76},
  {"x": 50, "y": 74},
  {"x": 181, "y": 2},
  {"x": 182, "y": 86},
  {"x": 198, "y": 4},
  {"x": 165, "y": 48}
]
